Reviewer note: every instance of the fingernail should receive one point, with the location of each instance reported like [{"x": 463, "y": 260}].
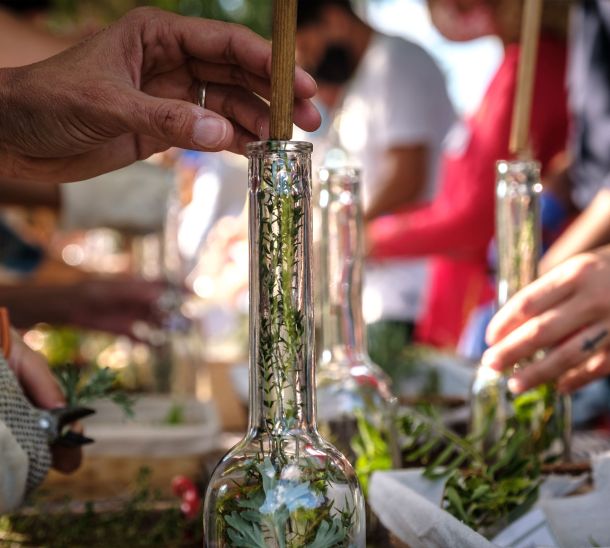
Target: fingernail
[
  {"x": 209, "y": 132},
  {"x": 487, "y": 359},
  {"x": 515, "y": 385}
]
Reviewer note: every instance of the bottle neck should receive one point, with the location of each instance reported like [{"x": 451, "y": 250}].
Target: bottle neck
[
  {"x": 281, "y": 305},
  {"x": 341, "y": 271},
  {"x": 518, "y": 226}
]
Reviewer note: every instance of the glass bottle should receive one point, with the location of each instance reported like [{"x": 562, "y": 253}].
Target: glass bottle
[
  {"x": 282, "y": 485},
  {"x": 542, "y": 410},
  {"x": 354, "y": 396}
]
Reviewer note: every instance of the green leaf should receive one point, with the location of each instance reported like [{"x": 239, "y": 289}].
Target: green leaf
[{"x": 329, "y": 535}]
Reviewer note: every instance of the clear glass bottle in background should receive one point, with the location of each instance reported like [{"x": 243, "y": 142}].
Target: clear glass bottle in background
[
  {"x": 354, "y": 395},
  {"x": 179, "y": 367},
  {"x": 282, "y": 485},
  {"x": 542, "y": 410}
]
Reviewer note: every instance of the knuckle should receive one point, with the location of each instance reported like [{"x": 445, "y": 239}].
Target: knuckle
[
  {"x": 526, "y": 306},
  {"x": 238, "y": 77},
  {"x": 227, "y": 106},
  {"x": 585, "y": 265},
  {"x": 171, "y": 120},
  {"x": 536, "y": 331},
  {"x": 143, "y": 14}
]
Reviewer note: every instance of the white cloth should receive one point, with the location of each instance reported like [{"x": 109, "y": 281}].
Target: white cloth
[
  {"x": 397, "y": 98},
  {"x": 133, "y": 198},
  {"x": 408, "y": 506},
  {"x": 13, "y": 471}
]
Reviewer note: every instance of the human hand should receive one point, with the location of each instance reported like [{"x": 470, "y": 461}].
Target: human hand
[
  {"x": 111, "y": 304},
  {"x": 129, "y": 91},
  {"x": 566, "y": 310},
  {"x": 42, "y": 389},
  {"x": 115, "y": 304}
]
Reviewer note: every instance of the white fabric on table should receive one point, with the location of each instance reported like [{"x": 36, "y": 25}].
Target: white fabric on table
[
  {"x": 13, "y": 471},
  {"x": 403, "y": 502}
]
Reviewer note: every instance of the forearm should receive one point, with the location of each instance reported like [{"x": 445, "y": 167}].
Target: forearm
[
  {"x": 589, "y": 231},
  {"x": 400, "y": 180},
  {"x": 30, "y": 304},
  {"x": 14, "y": 192},
  {"x": 429, "y": 231}
]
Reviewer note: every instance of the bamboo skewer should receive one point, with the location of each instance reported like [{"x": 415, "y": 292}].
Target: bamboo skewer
[
  {"x": 282, "y": 69},
  {"x": 530, "y": 33},
  {"x": 5, "y": 333}
]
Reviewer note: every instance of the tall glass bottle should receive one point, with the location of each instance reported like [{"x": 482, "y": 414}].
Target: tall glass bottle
[
  {"x": 518, "y": 238},
  {"x": 282, "y": 485},
  {"x": 354, "y": 393}
]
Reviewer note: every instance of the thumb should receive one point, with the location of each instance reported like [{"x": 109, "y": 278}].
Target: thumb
[{"x": 178, "y": 123}]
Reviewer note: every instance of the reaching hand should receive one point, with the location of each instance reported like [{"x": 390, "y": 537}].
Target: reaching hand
[
  {"x": 566, "y": 310},
  {"x": 41, "y": 388},
  {"x": 130, "y": 90}
]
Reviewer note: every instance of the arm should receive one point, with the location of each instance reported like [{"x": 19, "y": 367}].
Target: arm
[
  {"x": 402, "y": 176},
  {"x": 109, "y": 304},
  {"x": 29, "y": 194},
  {"x": 454, "y": 224},
  {"x": 131, "y": 90},
  {"x": 591, "y": 229}
]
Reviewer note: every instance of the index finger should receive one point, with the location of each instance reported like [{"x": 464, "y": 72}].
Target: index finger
[
  {"x": 534, "y": 299},
  {"x": 229, "y": 43},
  {"x": 34, "y": 375}
]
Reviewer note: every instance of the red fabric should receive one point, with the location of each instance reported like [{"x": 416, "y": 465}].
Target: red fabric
[{"x": 458, "y": 226}]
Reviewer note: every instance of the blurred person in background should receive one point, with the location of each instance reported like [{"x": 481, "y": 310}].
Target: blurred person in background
[
  {"x": 586, "y": 180},
  {"x": 568, "y": 308},
  {"x": 386, "y": 110},
  {"x": 456, "y": 228},
  {"x": 139, "y": 97}
]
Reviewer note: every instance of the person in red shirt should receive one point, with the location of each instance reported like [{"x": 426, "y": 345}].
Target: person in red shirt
[{"x": 458, "y": 226}]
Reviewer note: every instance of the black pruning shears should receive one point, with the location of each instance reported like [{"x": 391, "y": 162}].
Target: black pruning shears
[{"x": 56, "y": 423}]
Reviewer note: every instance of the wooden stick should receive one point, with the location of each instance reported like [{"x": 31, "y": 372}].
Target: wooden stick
[
  {"x": 5, "y": 333},
  {"x": 530, "y": 33},
  {"x": 282, "y": 68}
]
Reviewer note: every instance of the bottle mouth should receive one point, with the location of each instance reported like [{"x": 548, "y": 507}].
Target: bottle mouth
[
  {"x": 261, "y": 147},
  {"x": 513, "y": 168},
  {"x": 345, "y": 176}
]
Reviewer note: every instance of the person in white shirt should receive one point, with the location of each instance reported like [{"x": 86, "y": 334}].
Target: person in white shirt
[{"x": 388, "y": 112}]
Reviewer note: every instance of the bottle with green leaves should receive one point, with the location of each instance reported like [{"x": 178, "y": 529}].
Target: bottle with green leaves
[
  {"x": 542, "y": 411},
  {"x": 356, "y": 407},
  {"x": 282, "y": 485}
]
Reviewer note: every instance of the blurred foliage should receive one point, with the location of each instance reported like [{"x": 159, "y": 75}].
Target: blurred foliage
[
  {"x": 144, "y": 520},
  {"x": 81, "y": 389},
  {"x": 372, "y": 452},
  {"x": 61, "y": 344},
  {"x": 255, "y": 14},
  {"x": 486, "y": 488}
]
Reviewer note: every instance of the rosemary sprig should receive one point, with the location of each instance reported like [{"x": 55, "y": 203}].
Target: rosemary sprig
[{"x": 486, "y": 488}]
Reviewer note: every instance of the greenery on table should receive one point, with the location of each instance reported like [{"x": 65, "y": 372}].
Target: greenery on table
[
  {"x": 81, "y": 388},
  {"x": 144, "y": 520},
  {"x": 485, "y": 488},
  {"x": 372, "y": 452}
]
